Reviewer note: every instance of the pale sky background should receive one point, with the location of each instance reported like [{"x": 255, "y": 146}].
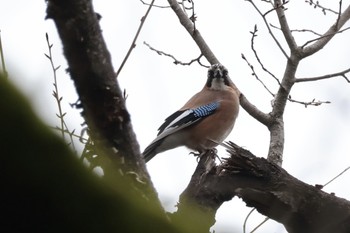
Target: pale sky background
[{"x": 317, "y": 138}]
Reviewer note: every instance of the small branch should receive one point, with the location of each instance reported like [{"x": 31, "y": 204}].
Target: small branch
[
  {"x": 339, "y": 11},
  {"x": 310, "y": 103},
  {"x": 189, "y": 26},
  {"x": 256, "y": 75},
  {"x": 151, "y": 4},
  {"x": 254, "y": 34},
  {"x": 323, "y": 36},
  {"x": 328, "y": 76},
  {"x": 246, "y": 220},
  {"x": 55, "y": 94},
  {"x": 176, "y": 61},
  {"x": 71, "y": 133},
  {"x": 260, "y": 224},
  {"x": 321, "y": 42},
  {"x": 345, "y": 170},
  {"x": 317, "y": 5},
  {"x": 133, "y": 44},
  {"x": 268, "y": 28},
  {"x": 298, "y": 30}
]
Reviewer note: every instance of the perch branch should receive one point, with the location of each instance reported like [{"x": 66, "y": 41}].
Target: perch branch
[{"x": 267, "y": 187}]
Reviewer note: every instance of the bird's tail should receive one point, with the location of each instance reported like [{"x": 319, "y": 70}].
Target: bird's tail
[{"x": 150, "y": 151}]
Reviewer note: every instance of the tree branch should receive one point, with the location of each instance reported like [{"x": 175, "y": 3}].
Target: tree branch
[
  {"x": 267, "y": 187},
  {"x": 188, "y": 25},
  {"x": 268, "y": 27},
  {"x": 256, "y": 75},
  {"x": 254, "y": 34},
  {"x": 252, "y": 110},
  {"x": 284, "y": 25},
  {"x": 102, "y": 101},
  {"x": 327, "y": 76},
  {"x": 319, "y": 44},
  {"x": 133, "y": 43},
  {"x": 176, "y": 61}
]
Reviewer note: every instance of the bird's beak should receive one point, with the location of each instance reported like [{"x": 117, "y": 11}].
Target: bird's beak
[{"x": 217, "y": 73}]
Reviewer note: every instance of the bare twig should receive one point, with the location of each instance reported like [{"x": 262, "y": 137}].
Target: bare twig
[
  {"x": 310, "y": 103},
  {"x": 298, "y": 30},
  {"x": 246, "y": 220},
  {"x": 260, "y": 224},
  {"x": 327, "y": 36},
  {"x": 324, "y": 36},
  {"x": 256, "y": 75},
  {"x": 339, "y": 11},
  {"x": 133, "y": 44},
  {"x": 188, "y": 25},
  {"x": 3, "y": 60},
  {"x": 346, "y": 169},
  {"x": 327, "y": 76},
  {"x": 72, "y": 134},
  {"x": 57, "y": 97},
  {"x": 154, "y": 5},
  {"x": 269, "y": 28},
  {"x": 193, "y": 17},
  {"x": 317, "y": 5},
  {"x": 254, "y": 34},
  {"x": 64, "y": 127},
  {"x": 176, "y": 61}
]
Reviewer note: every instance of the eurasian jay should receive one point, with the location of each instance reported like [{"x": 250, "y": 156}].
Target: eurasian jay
[{"x": 204, "y": 121}]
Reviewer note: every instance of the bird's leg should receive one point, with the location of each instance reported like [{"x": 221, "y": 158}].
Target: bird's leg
[{"x": 199, "y": 154}]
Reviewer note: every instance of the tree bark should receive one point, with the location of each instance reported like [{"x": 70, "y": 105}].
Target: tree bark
[
  {"x": 267, "y": 187},
  {"x": 100, "y": 97}
]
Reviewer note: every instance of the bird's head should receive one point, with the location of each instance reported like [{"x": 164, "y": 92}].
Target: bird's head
[{"x": 218, "y": 78}]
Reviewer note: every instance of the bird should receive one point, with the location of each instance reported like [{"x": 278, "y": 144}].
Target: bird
[{"x": 204, "y": 121}]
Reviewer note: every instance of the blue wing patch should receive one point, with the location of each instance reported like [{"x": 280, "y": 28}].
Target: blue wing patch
[
  {"x": 205, "y": 110},
  {"x": 188, "y": 117}
]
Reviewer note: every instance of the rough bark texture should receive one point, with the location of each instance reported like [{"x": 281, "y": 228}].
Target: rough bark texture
[
  {"x": 267, "y": 187},
  {"x": 100, "y": 96}
]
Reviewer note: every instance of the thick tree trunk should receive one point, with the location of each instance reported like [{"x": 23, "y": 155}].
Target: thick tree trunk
[
  {"x": 100, "y": 97},
  {"x": 267, "y": 187}
]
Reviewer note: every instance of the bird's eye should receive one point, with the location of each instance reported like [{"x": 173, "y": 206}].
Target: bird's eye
[
  {"x": 225, "y": 72},
  {"x": 210, "y": 73}
]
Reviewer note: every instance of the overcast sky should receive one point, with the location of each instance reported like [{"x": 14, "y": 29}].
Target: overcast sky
[{"x": 317, "y": 138}]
